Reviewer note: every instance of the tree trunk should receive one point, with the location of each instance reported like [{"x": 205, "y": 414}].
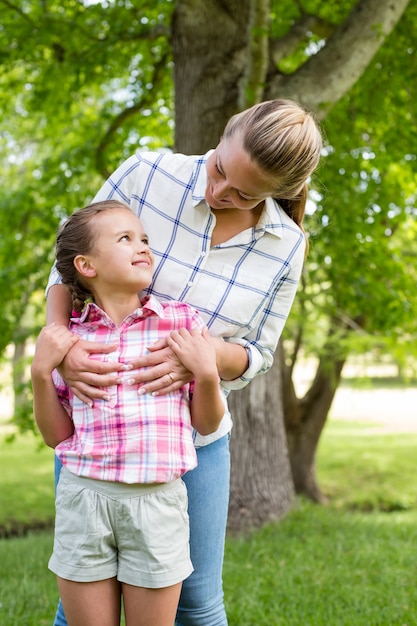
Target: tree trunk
[
  {"x": 214, "y": 76},
  {"x": 210, "y": 50},
  {"x": 21, "y": 406},
  {"x": 305, "y": 419},
  {"x": 261, "y": 485}
]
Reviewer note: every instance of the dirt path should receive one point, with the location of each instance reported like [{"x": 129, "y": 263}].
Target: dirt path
[{"x": 390, "y": 410}]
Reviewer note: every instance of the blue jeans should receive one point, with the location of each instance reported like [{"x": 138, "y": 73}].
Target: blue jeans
[{"x": 201, "y": 602}]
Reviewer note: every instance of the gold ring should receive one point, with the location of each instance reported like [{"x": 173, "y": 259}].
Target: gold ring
[{"x": 171, "y": 377}]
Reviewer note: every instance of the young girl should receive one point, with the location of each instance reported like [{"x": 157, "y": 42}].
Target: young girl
[{"x": 121, "y": 509}]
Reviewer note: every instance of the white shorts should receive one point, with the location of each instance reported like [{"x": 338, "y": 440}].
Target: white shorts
[{"x": 136, "y": 533}]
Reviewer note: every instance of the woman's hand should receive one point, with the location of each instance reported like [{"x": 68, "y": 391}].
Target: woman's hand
[
  {"x": 52, "y": 346},
  {"x": 85, "y": 376},
  {"x": 163, "y": 373}
]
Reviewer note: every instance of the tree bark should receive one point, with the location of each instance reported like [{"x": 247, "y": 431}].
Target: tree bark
[
  {"x": 210, "y": 50},
  {"x": 304, "y": 422},
  {"x": 261, "y": 484},
  {"x": 20, "y": 400},
  {"x": 305, "y": 417}
]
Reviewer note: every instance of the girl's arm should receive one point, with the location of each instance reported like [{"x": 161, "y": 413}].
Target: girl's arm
[
  {"x": 197, "y": 353},
  {"x": 52, "y": 419}
]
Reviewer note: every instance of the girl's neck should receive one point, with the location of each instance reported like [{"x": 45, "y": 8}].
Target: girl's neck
[{"x": 118, "y": 306}]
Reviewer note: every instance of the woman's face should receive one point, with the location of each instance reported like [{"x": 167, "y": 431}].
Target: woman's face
[{"x": 233, "y": 180}]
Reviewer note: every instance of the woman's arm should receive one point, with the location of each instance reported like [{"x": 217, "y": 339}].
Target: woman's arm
[
  {"x": 83, "y": 375},
  {"x": 232, "y": 359},
  {"x": 58, "y": 305},
  {"x": 52, "y": 419},
  {"x": 153, "y": 369}
]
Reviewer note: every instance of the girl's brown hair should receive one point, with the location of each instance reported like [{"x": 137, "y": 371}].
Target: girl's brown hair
[{"x": 78, "y": 236}]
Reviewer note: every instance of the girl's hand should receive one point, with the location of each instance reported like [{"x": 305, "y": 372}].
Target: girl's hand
[
  {"x": 196, "y": 352},
  {"x": 164, "y": 372}
]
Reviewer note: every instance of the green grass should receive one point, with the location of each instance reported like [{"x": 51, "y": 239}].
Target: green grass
[
  {"x": 322, "y": 567},
  {"x": 351, "y": 563},
  {"x": 28, "y": 595},
  {"x": 360, "y": 468},
  {"x": 26, "y": 485},
  {"x": 318, "y": 567}
]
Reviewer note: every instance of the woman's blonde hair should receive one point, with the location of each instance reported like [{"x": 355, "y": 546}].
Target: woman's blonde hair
[{"x": 285, "y": 141}]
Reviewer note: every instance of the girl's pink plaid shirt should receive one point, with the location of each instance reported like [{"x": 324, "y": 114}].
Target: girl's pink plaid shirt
[{"x": 131, "y": 438}]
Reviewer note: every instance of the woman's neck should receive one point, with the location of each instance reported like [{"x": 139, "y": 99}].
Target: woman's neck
[{"x": 231, "y": 222}]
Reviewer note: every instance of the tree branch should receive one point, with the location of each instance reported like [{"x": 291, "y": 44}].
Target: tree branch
[
  {"x": 258, "y": 55},
  {"x": 326, "y": 77},
  {"x": 18, "y": 10},
  {"x": 284, "y": 46}
]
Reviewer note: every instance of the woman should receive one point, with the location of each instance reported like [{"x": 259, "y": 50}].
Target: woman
[{"x": 229, "y": 241}]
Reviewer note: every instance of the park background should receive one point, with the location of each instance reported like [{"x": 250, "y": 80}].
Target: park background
[{"x": 83, "y": 85}]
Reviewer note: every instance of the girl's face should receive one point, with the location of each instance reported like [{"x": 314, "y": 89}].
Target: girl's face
[
  {"x": 121, "y": 258},
  {"x": 233, "y": 180}
]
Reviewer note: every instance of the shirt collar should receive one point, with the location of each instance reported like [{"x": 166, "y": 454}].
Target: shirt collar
[
  {"x": 200, "y": 178},
  {"x": 272, "y": 218},
  {"x": 92, "y": 313}
]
